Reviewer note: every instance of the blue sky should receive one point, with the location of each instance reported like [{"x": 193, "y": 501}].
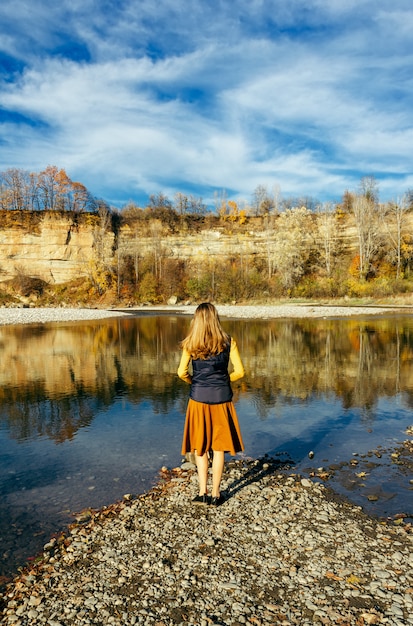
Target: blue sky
[{"x": 135, "y": 97}]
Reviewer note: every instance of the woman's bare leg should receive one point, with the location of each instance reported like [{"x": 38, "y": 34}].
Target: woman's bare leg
[
  {"x": 217, "y": 470},
  {"x": 202, "y": 467}
]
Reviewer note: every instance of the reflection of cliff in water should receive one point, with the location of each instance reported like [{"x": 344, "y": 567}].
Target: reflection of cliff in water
[
  {"x": 357, "y": 361},
  {"x": 55, "y": 377}
]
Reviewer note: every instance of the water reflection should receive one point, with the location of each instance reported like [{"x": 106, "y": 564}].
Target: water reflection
[
  {"x": 91, "y": 410},
  {"x": 55, "y": 377}
]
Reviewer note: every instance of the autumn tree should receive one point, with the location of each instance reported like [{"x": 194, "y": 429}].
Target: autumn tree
[
  {"x": 79, "y": 199},
  {"x": 100, "y": 268},
  {"x": 291, "y": 248},
  {"x": 366, "y": 212},
  {"x": 230, "y": 212},
  {"x": 394, "y": 218},
  {"x": 327, "y": 228},
  {"x": 50, "y": 190},
  {"x": 51, "y": 183}
]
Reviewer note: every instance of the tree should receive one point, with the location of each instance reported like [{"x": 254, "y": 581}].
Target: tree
[
  {"x": 79, "y": 199},
  {"x": 262, "y": 203},
  {"x": 159, "y": 201},
  {"x": 292, "y": 245},
  {"x": 100, "y": 267},
  {"x": 197, "y": 206},
  {"x": 327, "y": 227},
  {"x": 366, "y": 213},
  {"x": 49, "y": 187},
  {"x": 369, "y": 189},
  {"x": 160, "y": 207},
  {"x": 220, "y": 200},
  {"x": 394, "y": 219},
  {"x": 57, "y": 192},
  {"x": 181, "y": 204},
  {"x": 18, "y": 190},
  {"x": 188, "y": 205}
]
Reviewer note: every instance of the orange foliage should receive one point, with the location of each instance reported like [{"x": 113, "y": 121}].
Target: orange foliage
[{"x": 354, "y": 269}]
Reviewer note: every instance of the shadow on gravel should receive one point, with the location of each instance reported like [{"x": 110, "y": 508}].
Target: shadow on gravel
[{"x": 256, "y": 470}]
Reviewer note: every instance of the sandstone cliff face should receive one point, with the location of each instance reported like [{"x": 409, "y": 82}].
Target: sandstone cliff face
[
  {"x": 59, "y": 247},
  {"x": 207, "y": 243},
  {"x": 56, "y": 250}
]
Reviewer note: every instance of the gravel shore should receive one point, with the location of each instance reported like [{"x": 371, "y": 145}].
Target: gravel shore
[
  {"x": 287, "y": 310},
  {"x": 279, "y": 550},
  {"x": 43, "y": 315}
]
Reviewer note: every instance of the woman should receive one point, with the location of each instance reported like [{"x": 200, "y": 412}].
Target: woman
[{"x": 211, "y": 421}]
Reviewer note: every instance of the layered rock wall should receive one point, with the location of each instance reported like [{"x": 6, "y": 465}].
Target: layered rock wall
[
  {"x": 56, "y": 249},
  {"x": 59, "y": 247}
]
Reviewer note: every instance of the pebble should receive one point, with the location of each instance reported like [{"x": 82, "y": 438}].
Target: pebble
[{"x": 260, "y": 558}]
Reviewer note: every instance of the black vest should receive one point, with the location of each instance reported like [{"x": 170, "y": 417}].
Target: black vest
[{"x": 210, "y": 379}]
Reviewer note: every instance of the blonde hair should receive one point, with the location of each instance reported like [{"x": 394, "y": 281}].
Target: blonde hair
[{"x": 206, "y": 336}]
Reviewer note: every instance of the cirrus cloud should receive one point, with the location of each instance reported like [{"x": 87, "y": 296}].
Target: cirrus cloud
[{"x": 134, "y": 99}]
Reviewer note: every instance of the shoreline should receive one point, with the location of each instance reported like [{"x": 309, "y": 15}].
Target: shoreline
[
  {"x": 41, "y": 315},
  {"x": 280, "y": 550},
  {"x": 280, "y": 311}
]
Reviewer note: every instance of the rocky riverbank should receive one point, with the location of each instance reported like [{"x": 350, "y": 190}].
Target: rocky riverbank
[
  {"x": 280, "y": 550},
  {"x": 272, "y": 311},
  {"x": 44, "y": 315}
]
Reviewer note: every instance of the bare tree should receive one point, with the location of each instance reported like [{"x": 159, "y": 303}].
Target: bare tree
[
  {"x": 18, "y": 190},
  {"x": 292, "y": 244},
  {"x": 394, "y": 220},
  {"x": 277, "y": 198},
  {"x": 367, "y": 220},
  {"x": 369, "y": 189},
  {"x": 262, "y": 202},
  {"x": 327, "y": 227},
  {"x": 186, "y": 205}
]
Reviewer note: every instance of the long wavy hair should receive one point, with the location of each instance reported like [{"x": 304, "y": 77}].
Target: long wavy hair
[{"x": 206, "y": 336}]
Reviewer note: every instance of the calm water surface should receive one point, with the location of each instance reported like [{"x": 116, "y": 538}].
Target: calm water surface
[{"x": 90, "y": 411}]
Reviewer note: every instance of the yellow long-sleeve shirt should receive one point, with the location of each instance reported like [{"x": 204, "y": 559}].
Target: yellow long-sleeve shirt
[{"x": 234, "y": 356}]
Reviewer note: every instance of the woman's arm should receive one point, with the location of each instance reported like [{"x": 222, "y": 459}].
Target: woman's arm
[
  {"x": 183, "y": 371},
  {"x": 235, "y": 358}
]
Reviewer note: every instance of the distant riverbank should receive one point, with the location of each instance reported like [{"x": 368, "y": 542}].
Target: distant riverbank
[
  {"x": 44, "y": 315},
  {"x": 272, "y": 311}
]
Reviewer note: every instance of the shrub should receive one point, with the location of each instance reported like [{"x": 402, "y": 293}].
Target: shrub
[
  {"x": 29, "y": 285},
  {"x": 147, "y": 290},
  {"x": 199, "y": 288}
]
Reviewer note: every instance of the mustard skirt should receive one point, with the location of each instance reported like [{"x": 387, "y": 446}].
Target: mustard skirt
[{"x": 211, "y": 427}]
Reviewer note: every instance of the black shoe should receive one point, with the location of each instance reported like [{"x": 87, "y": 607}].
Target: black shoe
[
  {"x": 217, "y": 501},
  {"x": 201, "y": 499}
]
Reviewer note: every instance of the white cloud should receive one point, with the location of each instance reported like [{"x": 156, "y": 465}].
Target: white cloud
[{"x": 261, "y": 94}]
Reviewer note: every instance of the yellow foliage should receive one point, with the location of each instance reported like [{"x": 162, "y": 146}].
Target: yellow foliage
[
  {"x": 230, "y": 212},
  {"x": 98, "y": 277}
]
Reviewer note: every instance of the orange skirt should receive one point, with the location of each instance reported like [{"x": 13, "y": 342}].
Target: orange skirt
[{"x": 211, "y": 427}]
